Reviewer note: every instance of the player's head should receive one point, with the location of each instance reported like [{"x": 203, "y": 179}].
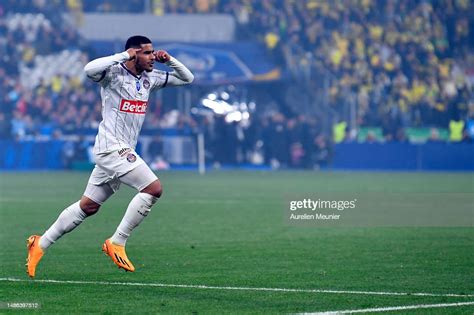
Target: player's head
[
  {"x": 137, "y": 41},
  {"x": 145, "y": 57}
]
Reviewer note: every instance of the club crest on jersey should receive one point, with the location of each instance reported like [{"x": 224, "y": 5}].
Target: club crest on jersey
[
  {"x": 131, "y": 157},
  {"x": 133, "y": 106},
  {"x": 146, "y": 84}
]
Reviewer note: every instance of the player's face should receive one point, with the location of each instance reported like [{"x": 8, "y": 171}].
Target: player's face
[{"x": 145, "y": 58}]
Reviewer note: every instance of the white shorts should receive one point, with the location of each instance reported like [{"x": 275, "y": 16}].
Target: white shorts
[{"x": 112, "y": 169}]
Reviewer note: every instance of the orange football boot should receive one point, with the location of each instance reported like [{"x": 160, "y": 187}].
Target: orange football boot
[
  {"x": 118, "y": 255},
  {"x": 35, "y": 253}
]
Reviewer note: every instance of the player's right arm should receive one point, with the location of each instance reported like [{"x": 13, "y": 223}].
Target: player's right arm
[{"x": 97, "y": 68}]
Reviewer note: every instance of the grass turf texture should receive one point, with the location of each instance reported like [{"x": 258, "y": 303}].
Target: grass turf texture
[{"x": 226, "y": 229}]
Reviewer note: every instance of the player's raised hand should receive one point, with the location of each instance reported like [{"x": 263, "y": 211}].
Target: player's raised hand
[
  {"x": 132, "y": 52},
  {"x": 162, "y": 56}
]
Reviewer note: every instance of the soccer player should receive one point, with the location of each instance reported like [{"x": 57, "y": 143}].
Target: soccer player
[{"x": 126, "y": 80}]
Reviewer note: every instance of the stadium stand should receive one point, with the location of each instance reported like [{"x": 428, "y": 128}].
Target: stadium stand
[{"x": 385, "y": 71}]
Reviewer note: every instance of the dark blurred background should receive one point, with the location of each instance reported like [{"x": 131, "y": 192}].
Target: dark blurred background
[{"x": 349, "y": 84}]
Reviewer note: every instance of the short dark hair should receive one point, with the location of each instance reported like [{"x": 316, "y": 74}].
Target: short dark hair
[{"x": 136, "y": 41}]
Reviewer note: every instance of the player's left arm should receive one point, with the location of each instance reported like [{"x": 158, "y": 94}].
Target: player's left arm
[{"x": 180, "y": 74}]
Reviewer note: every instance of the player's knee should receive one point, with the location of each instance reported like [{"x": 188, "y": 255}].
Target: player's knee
[
  {"x": 89, "y": 206},
  {"x": 154, "y": 189}
]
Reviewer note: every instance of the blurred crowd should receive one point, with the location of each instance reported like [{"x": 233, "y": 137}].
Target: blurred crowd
[
  {"x": 59, "y": 103},
  {"x": 390, "y": 64}
]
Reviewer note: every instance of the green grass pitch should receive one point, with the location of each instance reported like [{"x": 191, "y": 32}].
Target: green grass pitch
[{"x": 226, "y": 229}]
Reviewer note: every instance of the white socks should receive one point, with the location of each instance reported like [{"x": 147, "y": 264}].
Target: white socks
[
  {"x": 137, "y": 210},
  {"x": 67, "y": 221},
  {"x": 73, "y": 215}
]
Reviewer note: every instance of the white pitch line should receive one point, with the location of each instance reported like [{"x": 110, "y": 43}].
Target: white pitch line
[
  {"x": 391, "y": 308},
  {"x": 208, "y": 287}
]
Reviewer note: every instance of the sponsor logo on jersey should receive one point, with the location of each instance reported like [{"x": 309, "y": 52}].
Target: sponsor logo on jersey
[
  {"x": 137, "y": 83},
  {"x": 132, "y": 106},
  {"x": 124, "y": 151},
  {"x": 146, "y": 84},
  {"x": 131, "y": 157}
]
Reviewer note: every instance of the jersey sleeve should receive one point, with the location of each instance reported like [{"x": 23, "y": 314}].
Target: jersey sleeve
[
  {"x": 101, "y": 68},
  {"x": 159, "y": 79},
  {"x": 180, "y": 75}
]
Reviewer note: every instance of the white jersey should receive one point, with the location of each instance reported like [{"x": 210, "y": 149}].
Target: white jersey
[
  {"x": 124, "y": 105},
  {"x": 125, "y": 98}
]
